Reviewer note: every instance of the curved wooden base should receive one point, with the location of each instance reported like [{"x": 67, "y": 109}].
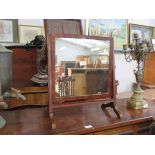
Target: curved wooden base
[
  {"x": 103, "y": 106},
  {"x": 111, "y": 105},
  {"x": 35, "y": 96}
]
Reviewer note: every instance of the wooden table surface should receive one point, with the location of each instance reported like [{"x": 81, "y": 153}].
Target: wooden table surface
[
  {"x": 148, "y": 94},
  {"x": 75, "y": 120}
]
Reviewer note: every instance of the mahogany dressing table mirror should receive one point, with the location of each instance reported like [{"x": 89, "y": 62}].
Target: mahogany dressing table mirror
[{"x": 81, "y": 71}]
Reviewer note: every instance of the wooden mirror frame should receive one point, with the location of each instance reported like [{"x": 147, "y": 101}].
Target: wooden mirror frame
[{"x": 107, "y": 98}]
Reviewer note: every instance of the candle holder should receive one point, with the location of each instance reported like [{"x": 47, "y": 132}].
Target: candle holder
[{"x": 137, "y": 51}]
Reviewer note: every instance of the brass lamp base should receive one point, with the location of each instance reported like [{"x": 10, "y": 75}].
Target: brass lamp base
[
  {"x": 2, "y": 122},
  {"x": 136, "y": 101},
  {"x": 137, "y": 105}
]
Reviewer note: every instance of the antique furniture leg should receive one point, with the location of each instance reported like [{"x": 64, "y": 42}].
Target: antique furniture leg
[
  {"x": 112, "y": 105},
  {"x": 52, "y": 120}
]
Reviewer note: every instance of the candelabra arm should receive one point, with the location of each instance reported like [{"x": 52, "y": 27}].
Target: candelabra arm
[
  {"x": 128, "y": 58},
  {"x": 138, "y": 52}
]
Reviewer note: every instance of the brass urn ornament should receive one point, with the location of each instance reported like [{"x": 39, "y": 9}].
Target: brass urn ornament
[{"x": 137, "y": 51}]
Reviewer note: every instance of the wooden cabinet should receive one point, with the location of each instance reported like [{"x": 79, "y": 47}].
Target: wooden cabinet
[
  {"x": 89, "y": 80},
  {"x": 80, "y": 84},
  {"x": 23, "y": 68},
  {"x": 36, "y": 96},
  {"x": 97, "y": 81},
  {"x": 149, "y": 71}
]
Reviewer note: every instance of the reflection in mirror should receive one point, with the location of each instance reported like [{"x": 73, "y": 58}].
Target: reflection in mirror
[{"x": 81, "y": 67}]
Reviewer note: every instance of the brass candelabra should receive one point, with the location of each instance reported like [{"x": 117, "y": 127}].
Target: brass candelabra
[{"x": 137, "y": 51}]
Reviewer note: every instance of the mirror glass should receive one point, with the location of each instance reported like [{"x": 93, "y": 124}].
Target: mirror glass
[{"x": 81, "y": 67}]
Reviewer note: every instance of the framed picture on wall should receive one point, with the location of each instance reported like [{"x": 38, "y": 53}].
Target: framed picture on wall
[
  {"x": 116, "y": 28},
  {"x": 144, "y": 32},
  {"x": 28, "y": 33},
  {"x": 8, "y": 30}
]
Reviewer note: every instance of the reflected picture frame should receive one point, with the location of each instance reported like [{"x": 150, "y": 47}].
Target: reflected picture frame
[
  {"x": 27, "y": 33},
  {"x": 9, "y": 30},
  {"x": 144, "y": 32}
]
